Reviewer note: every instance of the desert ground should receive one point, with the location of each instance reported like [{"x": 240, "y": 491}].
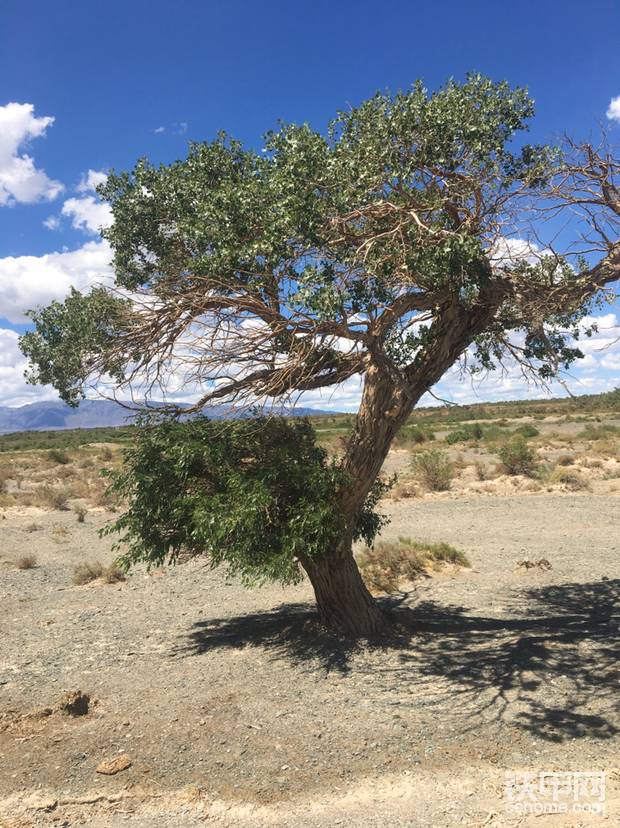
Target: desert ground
[{"x": 232, "y": 707}]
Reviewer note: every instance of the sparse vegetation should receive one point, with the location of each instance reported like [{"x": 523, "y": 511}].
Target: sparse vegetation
[
  {"x": 54, "y": 497},
  {"x": 434, "y": 470},
  {"x": 388, "y": 564},
  {"x": 570, "y": 478},
  {"x": 86, "y": 572},
  {"x": 80, "y": 513},
  {"x": 56, "y": 455},
  {"x": 26, "y": 561},
  {"x": 518, "y": 458},
  {"x": 465, "y": 434},
  {"x": 527, "y": 431}
]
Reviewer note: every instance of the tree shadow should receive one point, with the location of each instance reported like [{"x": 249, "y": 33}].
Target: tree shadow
[{"x": 549, "y": 664}]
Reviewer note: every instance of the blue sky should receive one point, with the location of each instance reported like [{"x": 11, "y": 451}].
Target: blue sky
[{"x": 126, "y": 79}]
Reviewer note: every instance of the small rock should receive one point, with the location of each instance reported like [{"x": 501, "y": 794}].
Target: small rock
[
  {"x": 74, "y": 703},
  {"x": 112, "y": 766},
  {"x": 40, "y": 803}
]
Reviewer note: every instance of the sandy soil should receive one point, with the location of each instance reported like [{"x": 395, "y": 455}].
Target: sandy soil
[{"x": 236, "y": 710}]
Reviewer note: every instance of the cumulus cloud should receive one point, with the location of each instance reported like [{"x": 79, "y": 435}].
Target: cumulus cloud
[
  {"x": 87, "y": 213},
  {"x": 613, "y": 111},
  {"x": 91, "y": 180},
  {"x": 14, "y": 390},
  {"x": 20, "y": 180},
  {"x": 510, "y": 252},
  {"x": 28, "y": 281}
]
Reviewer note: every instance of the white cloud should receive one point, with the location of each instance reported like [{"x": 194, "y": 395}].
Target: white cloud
[
  {"x": 91, "y": 180},
  {"x": 87, "y": 214},
  {"x": 14, "y": 390},
  {"x": 20, "y": 180},
  {"x": 613, "y": 111},
  {"x": 28, "y": 281},
  {"x": 507, "y": 252},
  {"x": 52, "y": 223},
  {"x": 158, "y": 130}
]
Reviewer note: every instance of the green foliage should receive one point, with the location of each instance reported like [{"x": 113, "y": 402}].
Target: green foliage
[
  {"x": 602, "y": 432},
  {"x": 527, "y": 431},
  {"x": 281, "y": 227},
  {"x": 63, "y": 439},
  {"x": 257, "y": 495},
  {"x": 517, "y": 457},
  {"x": 70, "y": 340},
  {"x": 388, "y": 563},
  {"x": 434, "y": 470},
  {"x": 58, "y": 456},
  {"x": 465, "y": 434},
  {"x": 416, "y": 435}
]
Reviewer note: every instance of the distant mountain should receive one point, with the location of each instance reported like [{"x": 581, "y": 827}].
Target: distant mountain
[{"x": 44, "y": 416}]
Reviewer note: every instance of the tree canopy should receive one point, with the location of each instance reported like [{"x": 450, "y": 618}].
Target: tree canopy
[{"x": 389, "y": 247}]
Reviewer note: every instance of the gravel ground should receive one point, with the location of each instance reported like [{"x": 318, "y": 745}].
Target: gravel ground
[{"x": 235, "y": 709}]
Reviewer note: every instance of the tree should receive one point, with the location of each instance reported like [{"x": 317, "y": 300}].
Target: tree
[{"x": 381, "y": 249}]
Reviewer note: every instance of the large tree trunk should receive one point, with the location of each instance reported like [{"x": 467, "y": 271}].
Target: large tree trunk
[
  {"x": 388, "y": 398},
  {"x": 343, "y": 601}
]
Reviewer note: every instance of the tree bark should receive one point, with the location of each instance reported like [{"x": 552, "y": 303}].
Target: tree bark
[
  {"x": 343, "y": 601},
  {"x": 388, "y": 398}
]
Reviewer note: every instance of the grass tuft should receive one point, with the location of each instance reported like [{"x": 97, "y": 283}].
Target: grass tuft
[{"x": 387, "y": 564}]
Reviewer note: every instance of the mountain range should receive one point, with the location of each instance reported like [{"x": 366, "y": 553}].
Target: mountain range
[{"x": 43, "y": 416}]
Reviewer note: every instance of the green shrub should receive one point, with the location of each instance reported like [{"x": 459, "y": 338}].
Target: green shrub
[
  {"x": 256, "y": 495},
  {"x": 602, "y": 432},
  {"x": 416, "y": 435},
  {"x": 58, "y": 456},
  {"x": 388, "y": 563},
  {"x": 527, "y": 431},
  {"x": 517, "y": 457},
  {"x": 434, "y": 470},
  {"x": 465, "y": 434}
]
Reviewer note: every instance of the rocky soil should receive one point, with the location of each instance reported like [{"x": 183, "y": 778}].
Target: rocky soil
[{"x": 235, "y": 709}]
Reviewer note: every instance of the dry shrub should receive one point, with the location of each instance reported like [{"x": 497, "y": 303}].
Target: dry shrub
[
  {"x": 526, "y": 564},
  {"x": 32, "y": 527},
  {"x": 434, "y": 470},
  {"x": 592, "y": 463},
  {"x": 58, "y": 456},
  {"x": 54, "y": 497},
  {"x": 485, "y": 471},
  {"x": 106, "y": 453},
  {"x": 27, "y": 561},
  {"x": 65, "y": 472},
  {"x": 571, "y": 479},
  {"x": 387, "y": 564},
  {"x": 5, "y": 476},
  {"x": 81, "y": 512},
  {"x": 565, "y": 460},
  {"x": 86, "y": 572},
  {"x": 402, "y": 490},
  {"x": 113, "y": 574}
]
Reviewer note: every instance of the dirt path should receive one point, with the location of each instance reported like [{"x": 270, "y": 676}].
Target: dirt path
[{"x": 236, "y": 709}]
